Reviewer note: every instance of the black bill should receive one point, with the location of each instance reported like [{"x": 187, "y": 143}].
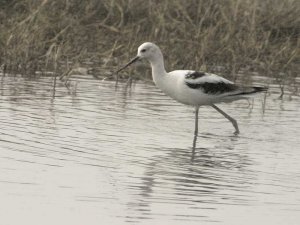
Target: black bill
[{"x": 131, "y": 61}]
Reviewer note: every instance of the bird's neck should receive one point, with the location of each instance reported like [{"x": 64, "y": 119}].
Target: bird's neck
[{"x": 158, "y": 70}]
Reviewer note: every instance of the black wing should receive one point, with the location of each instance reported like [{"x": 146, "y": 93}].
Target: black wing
[
  {"x": 213, "y": 88},
  {"x": 194, "y": 75},
  {"x": 209, "y": 83}
]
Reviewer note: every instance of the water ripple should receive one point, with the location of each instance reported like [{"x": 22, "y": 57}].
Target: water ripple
[{"x": 123, "y": 156}]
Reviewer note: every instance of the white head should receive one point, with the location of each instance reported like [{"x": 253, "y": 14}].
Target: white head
[{"x": 148, "y": 51}]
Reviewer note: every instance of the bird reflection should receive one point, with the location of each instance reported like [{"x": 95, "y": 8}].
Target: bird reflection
[{"x": 196, "y": 179}]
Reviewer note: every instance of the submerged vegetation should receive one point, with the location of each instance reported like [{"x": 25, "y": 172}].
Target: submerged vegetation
[{"x": 234, "y": 35}]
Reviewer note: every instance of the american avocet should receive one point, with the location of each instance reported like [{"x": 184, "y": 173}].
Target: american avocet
[{"x": 191, "y": 87}]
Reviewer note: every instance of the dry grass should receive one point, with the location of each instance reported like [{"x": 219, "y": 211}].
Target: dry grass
[{"x": 234, "y": 35}]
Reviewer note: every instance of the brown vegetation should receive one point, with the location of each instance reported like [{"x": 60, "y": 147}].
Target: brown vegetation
[{"x": 234, "y": 35}]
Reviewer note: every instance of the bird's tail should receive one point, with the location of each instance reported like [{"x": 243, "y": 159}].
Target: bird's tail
[
  {"x": 244, "y": 91},
  {"x": 258, "y": 89}
]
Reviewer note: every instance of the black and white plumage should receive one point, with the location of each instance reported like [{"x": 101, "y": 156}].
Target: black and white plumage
[
  {"x": 191, "y": 87},
  {"x": 208, "y": 84},
  {"x": 213, "y": 84},
  {"x": 201, "y": 88}
]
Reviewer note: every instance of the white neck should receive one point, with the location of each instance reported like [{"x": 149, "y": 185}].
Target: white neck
[{"x": 158, "y": 69}]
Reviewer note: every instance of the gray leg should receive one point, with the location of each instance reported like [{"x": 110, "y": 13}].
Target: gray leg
[
  {"x": 233, "y": 121},
  {"x": 196, "y": 128}
]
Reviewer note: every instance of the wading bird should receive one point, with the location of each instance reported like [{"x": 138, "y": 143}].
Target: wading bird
[{"x": 192, "y": 87}]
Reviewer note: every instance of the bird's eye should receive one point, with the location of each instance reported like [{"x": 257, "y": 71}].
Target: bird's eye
[{"x": 143, "y": 50}]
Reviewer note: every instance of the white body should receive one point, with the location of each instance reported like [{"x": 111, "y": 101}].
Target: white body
[{"x": 173, "y": 84}]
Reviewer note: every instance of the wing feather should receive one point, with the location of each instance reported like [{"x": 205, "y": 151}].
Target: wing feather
[{"x": 209, "y": 83}]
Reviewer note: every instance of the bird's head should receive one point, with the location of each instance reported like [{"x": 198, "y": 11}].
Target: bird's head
[{"x": 148, "y": 51}]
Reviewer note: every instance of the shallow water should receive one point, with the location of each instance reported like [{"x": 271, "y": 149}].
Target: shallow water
[{"x": 96, "y": 155}]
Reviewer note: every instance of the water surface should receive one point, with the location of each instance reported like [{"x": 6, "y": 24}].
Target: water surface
[{"x": 96, "y": 155}]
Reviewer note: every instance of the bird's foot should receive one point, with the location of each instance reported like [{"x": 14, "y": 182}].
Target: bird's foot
[{"x": 236, "y": 132}]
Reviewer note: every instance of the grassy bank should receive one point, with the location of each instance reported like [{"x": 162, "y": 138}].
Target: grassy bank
[{"x": 248, "y": 35}]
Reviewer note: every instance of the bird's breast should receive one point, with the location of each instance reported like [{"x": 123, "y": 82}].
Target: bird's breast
[{"x": 176, "y": 88}]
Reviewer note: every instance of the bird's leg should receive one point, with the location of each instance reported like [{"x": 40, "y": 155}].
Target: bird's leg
[
  {"x": 233, "y": 121},
  {"x": 196, "y": 121},
  {"x": 196, "y": 128}
]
